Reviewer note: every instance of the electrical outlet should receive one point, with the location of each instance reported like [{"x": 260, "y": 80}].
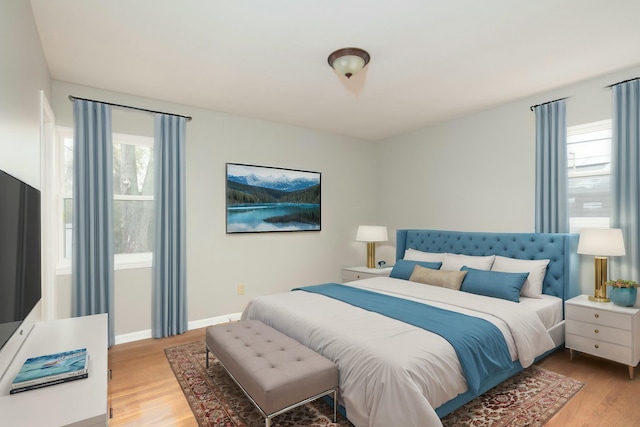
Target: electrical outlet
[{"x": 241, "y": 289}]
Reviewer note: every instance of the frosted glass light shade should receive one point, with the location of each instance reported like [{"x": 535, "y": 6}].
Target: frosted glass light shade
[
  {"x": 601, "y": 242},
  {"x": 372, "y": 233},
  {"x": 349, "y": 65}
]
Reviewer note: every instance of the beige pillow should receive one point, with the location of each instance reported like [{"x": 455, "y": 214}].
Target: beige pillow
[{"x": 444, "y": 279}]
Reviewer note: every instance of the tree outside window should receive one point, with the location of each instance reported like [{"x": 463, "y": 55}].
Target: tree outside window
[{"x": 133, "y": 194}]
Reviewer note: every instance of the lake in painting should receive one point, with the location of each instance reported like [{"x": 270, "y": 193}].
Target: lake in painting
[
  {"x": 262, "y": 199},
  {"x": 264, "y": 217}
]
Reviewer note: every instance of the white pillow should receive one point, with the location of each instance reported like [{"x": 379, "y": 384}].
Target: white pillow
[
  {"x": 416, "y": 255},
  {"x": 536, "y": 268},
  {"x": 453, "y": 262}
]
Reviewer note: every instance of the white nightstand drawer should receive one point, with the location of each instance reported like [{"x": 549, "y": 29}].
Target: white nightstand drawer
[
  {"x": 598, "y": 316},
  {"x": 350, "y": 274},
  {"x": 604, "y": 330},
  {"x": 600, "y": 333},
  {"x": 614, "y": 352}
]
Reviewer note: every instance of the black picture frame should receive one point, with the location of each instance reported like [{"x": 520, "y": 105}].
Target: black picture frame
[{"x": 262, "y": 199}]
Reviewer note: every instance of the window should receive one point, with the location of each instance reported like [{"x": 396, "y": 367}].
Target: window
[
  {"x": 589, "y": 162},
  {"x": 133, "y": 198}
]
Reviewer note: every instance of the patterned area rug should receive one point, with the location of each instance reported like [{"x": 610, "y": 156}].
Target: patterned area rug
[{"x": 528, "y": 399}]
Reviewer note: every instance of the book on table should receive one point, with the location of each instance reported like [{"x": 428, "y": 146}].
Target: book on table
[{"x": 50, "y": 369}]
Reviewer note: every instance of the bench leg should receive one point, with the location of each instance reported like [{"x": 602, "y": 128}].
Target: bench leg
[
  {"x": 207, "y": 357},
  {"x": 335, "y": 405},
  {"x": 267, "y": 422}
]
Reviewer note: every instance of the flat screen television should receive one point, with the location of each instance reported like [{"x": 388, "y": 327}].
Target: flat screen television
[{"x": 20, "y": 258}]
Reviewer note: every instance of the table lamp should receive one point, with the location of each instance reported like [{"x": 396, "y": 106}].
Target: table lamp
[
  {"x": 372, "y": 234},
  {"x": 601, "y": 242}
]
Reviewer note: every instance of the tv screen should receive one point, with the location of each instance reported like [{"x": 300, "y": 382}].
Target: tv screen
[{"x": 20, "y": 280}]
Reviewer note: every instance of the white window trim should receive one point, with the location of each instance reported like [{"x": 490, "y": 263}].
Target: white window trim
[
  {"x": 129, "y": 197},
  {"x": 63, "y": 263},
  {"x": 121, "y": 261},
  {"x": 589, "y": 127},
  {"x": 576, "y": 223}
]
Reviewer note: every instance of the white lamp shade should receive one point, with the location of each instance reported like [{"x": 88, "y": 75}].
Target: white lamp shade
[
  {"x": 372, "y": 233},
  {"x": 348, "y": 64},
  {"x": 601, "y": 242}
]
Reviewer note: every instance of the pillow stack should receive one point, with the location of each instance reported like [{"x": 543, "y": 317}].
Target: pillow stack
[{"x": 493, "y": 275}]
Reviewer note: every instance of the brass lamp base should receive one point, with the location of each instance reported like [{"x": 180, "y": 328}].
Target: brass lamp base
[
  {"x": 600, "y": 292},
  {"x": 371, "y": 254}
]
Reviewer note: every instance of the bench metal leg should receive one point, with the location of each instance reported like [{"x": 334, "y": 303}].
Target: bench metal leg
[
  {"x": 335, "y": 405},
  {"x": 207, "y": 357},
  {"x": 267, "y": 422}
]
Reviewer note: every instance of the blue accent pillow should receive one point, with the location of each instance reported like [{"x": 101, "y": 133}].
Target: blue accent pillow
[
  {"x": 495, "y": 284},
  {"x": 404, "y": 268}
]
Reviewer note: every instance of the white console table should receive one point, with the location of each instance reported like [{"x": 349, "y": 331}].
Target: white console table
[{"x": 76, "y": 403}]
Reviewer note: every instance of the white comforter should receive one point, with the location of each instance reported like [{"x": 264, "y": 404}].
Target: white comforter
[{"x": 392, "y": 373}]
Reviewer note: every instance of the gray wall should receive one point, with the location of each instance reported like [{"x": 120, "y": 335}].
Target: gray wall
[
  {"x": 471, "y": 173},
  {"x": 477, "y": 173},
  {"x": 217, "y": 262},
  {"x": 23, "y": 74}
]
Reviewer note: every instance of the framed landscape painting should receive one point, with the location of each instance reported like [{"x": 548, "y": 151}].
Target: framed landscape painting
[{"x": 262, "y": 199}]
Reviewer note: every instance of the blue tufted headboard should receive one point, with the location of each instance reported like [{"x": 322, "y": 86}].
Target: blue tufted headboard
[{"x": 561, "y": 280}]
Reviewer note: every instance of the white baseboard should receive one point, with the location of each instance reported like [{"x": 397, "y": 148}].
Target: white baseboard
[
  {"x": 195, "y": 324},
  {"x": 203, "y": 323},
  {"x": 133, "y": 336}
]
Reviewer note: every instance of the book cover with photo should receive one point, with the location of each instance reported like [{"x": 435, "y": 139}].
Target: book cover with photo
[{"x": 51, "y": 369}]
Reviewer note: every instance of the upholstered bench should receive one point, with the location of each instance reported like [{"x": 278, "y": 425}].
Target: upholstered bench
[{"x": 276, "y": 372}]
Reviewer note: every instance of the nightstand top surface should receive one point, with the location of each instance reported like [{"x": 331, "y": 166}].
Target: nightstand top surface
[
  {"x": 583, "y": 301},
  {"x": 362, "y": 269}
]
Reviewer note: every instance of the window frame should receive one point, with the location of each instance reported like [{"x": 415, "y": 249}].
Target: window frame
[{"x": 121, "y": 261}]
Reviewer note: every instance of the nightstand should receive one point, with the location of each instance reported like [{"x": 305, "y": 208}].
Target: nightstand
[
  {"x": 350, "y": 274},
  {"x": 604, "y": 330}
]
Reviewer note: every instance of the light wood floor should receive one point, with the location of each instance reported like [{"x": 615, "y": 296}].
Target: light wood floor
[{"x": 144, "y": 391}]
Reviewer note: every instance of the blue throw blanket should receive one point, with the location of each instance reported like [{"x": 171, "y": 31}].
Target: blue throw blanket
[{"x": 480, "y": 346}]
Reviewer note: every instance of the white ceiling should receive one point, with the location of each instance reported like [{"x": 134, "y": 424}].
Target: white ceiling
[{"x": 430, "y": 59}]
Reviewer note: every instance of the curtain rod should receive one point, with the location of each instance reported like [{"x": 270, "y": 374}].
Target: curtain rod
[
  {"x": 549, "y": 102},
  {"x": 624, "y": 81},
  {"x": 72, "y": 98}
]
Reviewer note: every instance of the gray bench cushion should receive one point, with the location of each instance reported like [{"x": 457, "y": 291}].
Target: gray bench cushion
[{"x": 275, "y": 370}]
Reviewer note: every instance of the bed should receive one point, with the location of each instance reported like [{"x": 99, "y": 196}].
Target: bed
[{"x": 396, "y": 371}]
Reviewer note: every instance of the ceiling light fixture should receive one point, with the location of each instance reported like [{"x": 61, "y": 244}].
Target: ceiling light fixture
[{"x": 348, "y": 61}]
